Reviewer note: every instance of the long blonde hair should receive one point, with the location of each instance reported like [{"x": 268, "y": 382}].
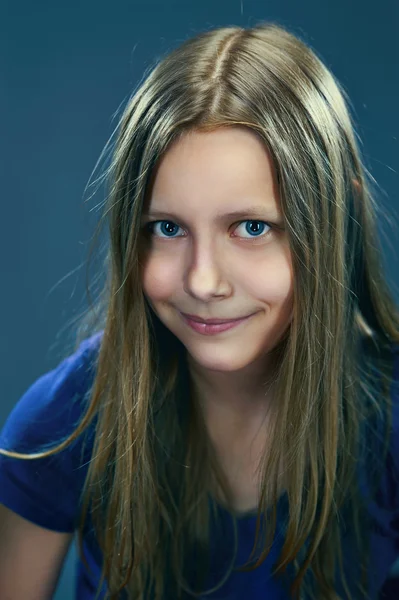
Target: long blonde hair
[{"x": 152, "y": 465}]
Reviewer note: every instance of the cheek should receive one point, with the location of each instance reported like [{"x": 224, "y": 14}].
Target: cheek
[
  {"x": 160, "y": 278},
  {"x": 271, "y": 280}
]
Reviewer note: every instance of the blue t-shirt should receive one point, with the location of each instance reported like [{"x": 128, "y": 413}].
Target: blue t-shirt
[{"x": 48, "y": 491}]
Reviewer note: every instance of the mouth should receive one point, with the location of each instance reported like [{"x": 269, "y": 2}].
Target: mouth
[{"x": 212, "y": 326}]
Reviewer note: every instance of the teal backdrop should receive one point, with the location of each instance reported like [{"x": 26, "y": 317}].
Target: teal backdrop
[{"x": 66, "y": 69}]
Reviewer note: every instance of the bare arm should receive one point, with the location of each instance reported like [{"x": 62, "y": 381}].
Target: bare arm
[{"x": 31, "y": 558}]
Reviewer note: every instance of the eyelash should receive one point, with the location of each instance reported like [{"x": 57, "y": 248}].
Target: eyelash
[{"x": 150, "y": 228}]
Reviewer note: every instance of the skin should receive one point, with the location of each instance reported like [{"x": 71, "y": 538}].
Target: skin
[{"x": 213, "y": 267}]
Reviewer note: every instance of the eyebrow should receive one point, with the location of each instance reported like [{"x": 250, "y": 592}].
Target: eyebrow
[{"x": 252, "y": 211}]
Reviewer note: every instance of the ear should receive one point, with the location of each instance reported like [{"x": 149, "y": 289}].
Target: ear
[{"x": 357, "y": 185}]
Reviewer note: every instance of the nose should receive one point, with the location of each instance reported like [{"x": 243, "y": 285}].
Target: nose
[{"x": 205, "y": 275}]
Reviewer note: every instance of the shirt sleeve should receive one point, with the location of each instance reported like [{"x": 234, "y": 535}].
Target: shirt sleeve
[
  {"x": 46, "y": 491},
  {"x": 395, "y": 448},
  {"x": 386, "y": 508}
]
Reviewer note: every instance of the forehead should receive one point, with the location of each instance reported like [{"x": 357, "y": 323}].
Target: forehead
[{"x": 222, "y": 168}]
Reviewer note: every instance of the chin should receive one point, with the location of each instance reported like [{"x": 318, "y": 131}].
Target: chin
[{"x": 219, "y": 363}]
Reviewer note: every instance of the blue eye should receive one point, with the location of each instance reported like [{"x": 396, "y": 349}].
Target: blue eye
[
  {"x": 163, "y": 229},
  {"x": 169, "y": 229},
  {"x": 254, "y": 228}
]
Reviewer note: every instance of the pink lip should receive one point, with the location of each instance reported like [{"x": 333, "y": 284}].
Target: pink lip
[{"x": 211, "y": 326}]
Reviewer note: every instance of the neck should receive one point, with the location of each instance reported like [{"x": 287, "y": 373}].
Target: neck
[{"x": 242, "y": 395}]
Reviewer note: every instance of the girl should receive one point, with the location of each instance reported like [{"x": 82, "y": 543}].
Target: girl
[{"x": 230, "y": 427}]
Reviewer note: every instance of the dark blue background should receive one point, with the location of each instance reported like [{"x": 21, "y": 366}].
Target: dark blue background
[{"x": 67, "y": 68}]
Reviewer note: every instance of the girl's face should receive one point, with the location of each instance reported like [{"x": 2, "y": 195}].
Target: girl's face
[{"x": 216, "y": 249}]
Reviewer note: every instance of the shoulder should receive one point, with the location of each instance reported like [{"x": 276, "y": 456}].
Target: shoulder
[
  {"x": 53, "y": 403},
  {"x": 47, "y": 490},
  {"x": 395, "y": 409},
  {"x": 387, "y": 471}
]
